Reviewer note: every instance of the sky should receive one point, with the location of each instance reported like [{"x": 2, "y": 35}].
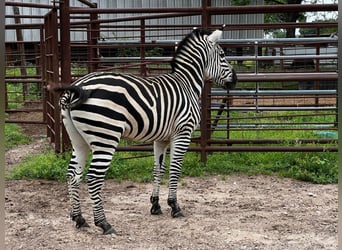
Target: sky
[{"x": 313, "y": 16}]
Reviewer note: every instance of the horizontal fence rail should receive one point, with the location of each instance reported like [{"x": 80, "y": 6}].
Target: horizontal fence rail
[{"x": 285, "y": 99}]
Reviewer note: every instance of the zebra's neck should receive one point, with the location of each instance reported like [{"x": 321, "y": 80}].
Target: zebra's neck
[{"x": 190, "y": 69}]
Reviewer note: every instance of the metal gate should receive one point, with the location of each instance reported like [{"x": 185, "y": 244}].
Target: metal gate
[
  {"x": 92, "y": 52},
  {"x": 51, "y": 78}
]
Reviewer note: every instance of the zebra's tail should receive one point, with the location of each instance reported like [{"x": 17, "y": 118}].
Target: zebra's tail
[{"x": 72, "y": 96}]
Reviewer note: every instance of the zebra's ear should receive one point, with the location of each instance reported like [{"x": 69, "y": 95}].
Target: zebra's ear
[{"x": 215, "y": 36}]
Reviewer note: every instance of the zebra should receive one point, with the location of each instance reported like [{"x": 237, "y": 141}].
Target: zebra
[{"x": 101, "y": 108}]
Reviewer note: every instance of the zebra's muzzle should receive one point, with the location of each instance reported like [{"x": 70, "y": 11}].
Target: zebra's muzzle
[{"x": 230, "y": 84}]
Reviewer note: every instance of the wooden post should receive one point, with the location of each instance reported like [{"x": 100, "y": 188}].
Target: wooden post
[{"x": 20, "y": 48}]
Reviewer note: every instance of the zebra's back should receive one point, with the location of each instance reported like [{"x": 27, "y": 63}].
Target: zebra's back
[{"x": 144, "y": 109}]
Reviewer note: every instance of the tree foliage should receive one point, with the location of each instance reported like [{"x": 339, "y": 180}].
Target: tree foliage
[{"x": 288, "y": 17}]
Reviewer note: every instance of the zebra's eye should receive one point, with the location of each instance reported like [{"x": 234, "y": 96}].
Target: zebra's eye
[{"x": 221, "y": 52}]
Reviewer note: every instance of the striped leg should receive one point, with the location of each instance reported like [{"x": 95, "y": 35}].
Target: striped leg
[
  {"x": 158, "y": 172},
  {"x": 74, "y": 177},
  {"x": 95, "y": 179},
  {"x": 75, "y": 169},
  {"x": 178, "y": 149}
]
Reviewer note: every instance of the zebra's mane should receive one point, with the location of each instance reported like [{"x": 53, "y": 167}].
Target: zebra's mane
[{"x": 184, "y": 42}]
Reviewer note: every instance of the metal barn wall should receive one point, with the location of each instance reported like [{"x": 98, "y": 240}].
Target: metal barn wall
[{"x": 33, "y": 35}]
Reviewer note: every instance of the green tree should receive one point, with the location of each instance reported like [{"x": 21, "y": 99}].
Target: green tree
[{"x": 289, "y": 17}]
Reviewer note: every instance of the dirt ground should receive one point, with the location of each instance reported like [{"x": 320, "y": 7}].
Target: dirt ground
[{"x": 222, "y": 212}]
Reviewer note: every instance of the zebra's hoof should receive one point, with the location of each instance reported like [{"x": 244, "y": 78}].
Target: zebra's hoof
[
  {"x": 156, "y": 210},
  {"x": 106, "y": 227},
  {"x": 177, "y": 214},
  {"x": 176, "y": 211},
  {"x": 80, "y": 221}
]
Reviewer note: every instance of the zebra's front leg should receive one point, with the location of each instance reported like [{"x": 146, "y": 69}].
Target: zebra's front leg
[
  {"x": 158, "y": 172},
  {"x": 74, "y": 177},
  {"x": 178, "y": 149},
  {"x": 95, "y": 179}
]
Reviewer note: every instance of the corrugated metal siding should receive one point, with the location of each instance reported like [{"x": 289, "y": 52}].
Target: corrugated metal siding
[
  {"x": 33, "y": 35},
  {"x": 30, "y": 34}
]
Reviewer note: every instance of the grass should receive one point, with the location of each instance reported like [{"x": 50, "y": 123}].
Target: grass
[
  {"x": 16, "y": 95},
  {"x": 14, "y": 136},
  {"x": 315, "y": 167}
]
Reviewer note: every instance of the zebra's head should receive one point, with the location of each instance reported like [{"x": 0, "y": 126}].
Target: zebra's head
[
  {"x": 217, "y": 68},
  {"x": 200, "y": 55}
]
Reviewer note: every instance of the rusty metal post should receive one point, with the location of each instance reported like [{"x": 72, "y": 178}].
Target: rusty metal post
[
  {"x": 205, "y": 125},
  {"x": 229, "y": 102},
  {"x": 142, "y": 48},
  {"x": 206, "y": 18},
  {"x": 51, "y": 77},
  {"x": 93, "y": 35},
  {"x": 42, "y": 64},
  {"x": 21, "y": 49},
  {"x": 65, "y": 52}
]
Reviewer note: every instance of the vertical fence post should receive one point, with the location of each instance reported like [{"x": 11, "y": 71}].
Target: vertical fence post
[
  {"x": 229, "y": 101},
  {"x": 256, "y": 72},
  {"x": 205, "y": 14},
  {"x": 21, "y": 49},
  {"x": 42, "y": 65},
  {"x": 65, "y": 52},
  {"x": 205, "y": 124},
  {"x": 142, "y": 48},
  {"x": 51, "y": 77},
  {"x": 93, "y": 35}
]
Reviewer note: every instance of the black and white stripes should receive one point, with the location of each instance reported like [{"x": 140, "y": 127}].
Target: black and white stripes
[{"x": 101, "y": 108}]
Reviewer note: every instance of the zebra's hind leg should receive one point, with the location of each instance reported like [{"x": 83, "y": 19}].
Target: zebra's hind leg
[
  {"x": 74, "y": 177},
  {"x": 77, "y": 162},
  {"x": 95, "y": 178},
  {"x": 179, "y": 146},
  {"x": 158, "y": 172}
]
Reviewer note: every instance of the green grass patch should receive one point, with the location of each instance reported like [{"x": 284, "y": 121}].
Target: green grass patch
[
  {"x": 14, "y": 136},
  {"x": 44, "y": 166},
  {"x": 315, "y": 167},
  {"x": 17, "y": 92}
]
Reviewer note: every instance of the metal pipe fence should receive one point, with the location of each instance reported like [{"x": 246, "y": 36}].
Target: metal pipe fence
[{"x": 285, "y": 99}]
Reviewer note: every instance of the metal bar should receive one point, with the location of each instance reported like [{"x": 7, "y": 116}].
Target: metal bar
[
  {"x": 221, "y": 92},
  {"x": 264, "y": 26},
  {"x": 243, "y": 148},
  {"x": 77, "y": 10},
  {"x": 245, "y": 41},
  {"x": 283, "y": 8},
  {"x": 89, "y": 4},
  {"x": 136, "y": 18},
  {"x": 21, "y": 49},
  {"x": 23, "y": 25},
  {"x": 65, "y": 42},
  {"x": 270, "y": 77},
  {"x": 281, "y": 108},
  {"x": 227, "y": 10},
  {"x": 24, "y": 122},
  {"x": 34, "y": 5},
  {"x": 65, "y": 66},
  {"x": 93, "y": 33},
  {"x": 270, "y": 141}
]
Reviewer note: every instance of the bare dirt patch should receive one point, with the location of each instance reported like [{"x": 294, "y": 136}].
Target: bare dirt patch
[{"x": 222, "y": 212}]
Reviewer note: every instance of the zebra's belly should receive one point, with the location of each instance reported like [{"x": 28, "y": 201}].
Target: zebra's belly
[{"x": 150, "y": 136}]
